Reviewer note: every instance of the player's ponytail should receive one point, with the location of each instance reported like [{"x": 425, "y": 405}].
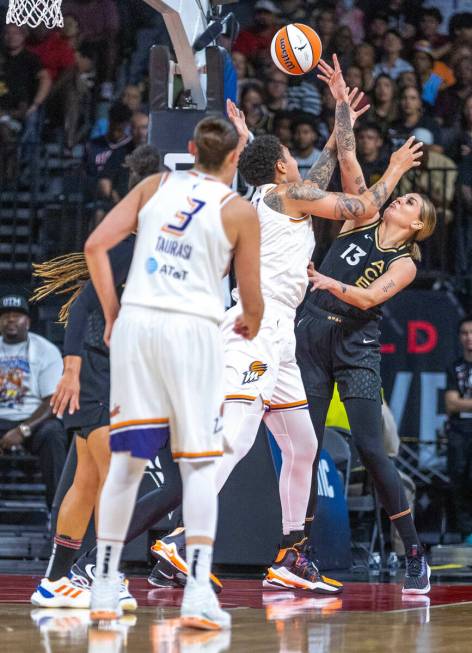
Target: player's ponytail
[{"x": 428, "y": 218}]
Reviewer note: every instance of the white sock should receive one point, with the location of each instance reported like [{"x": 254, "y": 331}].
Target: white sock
[
  {"x": 199, "y": 511},
  {"x": 116, "y": 508},
  {"x": 295, "y": 435},
  {"x": 199, "y": 557},
  {"x": 108, "y": 558}
]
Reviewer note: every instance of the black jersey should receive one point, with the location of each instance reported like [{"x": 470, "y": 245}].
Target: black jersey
[{"x": 355, "y": 258}]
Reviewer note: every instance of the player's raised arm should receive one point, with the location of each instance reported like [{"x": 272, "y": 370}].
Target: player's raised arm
[
  {"x": 119, "y": 223},
  {"x": 242, "y": 227},
  {"x": 307, "y": 197},
  {"x": 347, "y": 112}
]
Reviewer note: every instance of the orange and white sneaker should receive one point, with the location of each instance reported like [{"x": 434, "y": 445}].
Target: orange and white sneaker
[
  {"x": 62, "y": 593},
  {"x": 171, "y": 549},
  {"x": 200, "y": 608},
  {"x": 293, "y": 569}
]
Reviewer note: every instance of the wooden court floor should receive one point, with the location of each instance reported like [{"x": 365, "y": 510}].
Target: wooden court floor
[{"x": 367, "y": 617}]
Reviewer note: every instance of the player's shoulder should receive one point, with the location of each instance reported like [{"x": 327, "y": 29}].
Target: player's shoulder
[{"x": 235, "y": 205}]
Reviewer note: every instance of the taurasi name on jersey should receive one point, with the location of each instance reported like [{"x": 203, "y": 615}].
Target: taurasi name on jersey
[{"x": 174, "y": 248}]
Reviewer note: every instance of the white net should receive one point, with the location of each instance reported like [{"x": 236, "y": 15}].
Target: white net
[{"x": 35, "y": 12}]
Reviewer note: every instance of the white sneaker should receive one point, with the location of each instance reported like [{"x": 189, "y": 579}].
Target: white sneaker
[
  {"x": 84, "y": 576},
  {"x": 62, "y": 593},
  {"x": 127, "y": 601},
  {"x": 200, "y": 608},
  {"x": 105, "y": 600}
]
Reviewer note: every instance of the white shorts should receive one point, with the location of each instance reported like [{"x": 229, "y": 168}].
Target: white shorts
[
  {"x": 167, "y": 373},
  {"x": 265, "y": 366}
]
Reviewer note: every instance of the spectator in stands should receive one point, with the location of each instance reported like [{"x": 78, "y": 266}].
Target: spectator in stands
[
  {"x": 257, "y": 39},
  {"x": 364, "y": 57},
  {"x": 402, "y": 17},
  {"x": 244, "y": 71},
  {"x": 293, "y": 11},
  {"x": 376, "y": 30},
  {"x": 24, "y": 86},
  {"x": 252, "y": 103},
  {"x": 458, "y": 400},
  {"x": 53, "y": 50},
  {"x": 113, "y": 183},
  {"x": 71, "y": 32},
  {"x": 407, "y": 78},
  {"x": 30, "y": 368},
  {"x": 463, "y": 217},
  {"x": 435, "y": 176},
  {"x": 131, "y": 97},
  {"x": 99, "y": 25},
  {"x": 384, "y": 105},
  {"x": 423, "y": 63},
  {"x": 323, "y": 20},
  {"x": 460, "y": 140},
  {"x": 276, "y": 87},
  {"x": 299, "y": 95},
  {"x": 282, "y": 127},
  {"x": 448, "y": 9},
  {"x": 305, "y": 137},
  {"x": 392, "y": 64},
  {"x": 371, "y": 153},
  {"x": 447, "y": 108},
  {"x": 353, "y": 17},
  {"x": 354, "y": 77},
  {"x": 99, "y": 150},
  {"x": 429, "y": 20},
  {"x": 343, "y": 45},
  {"x": 412, "y": 115}
]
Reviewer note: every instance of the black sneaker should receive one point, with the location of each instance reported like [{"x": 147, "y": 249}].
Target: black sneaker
[
  {"x": 163, "y": 575},
  {"x": 417, "y": 572}
]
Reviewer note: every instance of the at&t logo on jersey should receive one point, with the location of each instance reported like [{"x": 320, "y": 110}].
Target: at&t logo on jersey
[
  {"x": 256, "y": 369},
  {"x": 153, "y": 267}
]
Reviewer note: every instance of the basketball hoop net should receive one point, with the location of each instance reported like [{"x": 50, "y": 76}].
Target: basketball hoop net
[{"x": 35, "y": 12}]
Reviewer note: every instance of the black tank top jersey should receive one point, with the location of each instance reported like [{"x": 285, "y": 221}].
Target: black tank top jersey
[{"x": 355, "y": 258}]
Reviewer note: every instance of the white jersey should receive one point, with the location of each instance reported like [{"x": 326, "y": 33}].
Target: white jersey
[
  {"x": 287, "y": 245},
  {"x": 181, "y": 251}
]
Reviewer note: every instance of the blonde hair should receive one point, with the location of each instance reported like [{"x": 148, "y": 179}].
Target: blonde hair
[{"x": 428, "y": 218}]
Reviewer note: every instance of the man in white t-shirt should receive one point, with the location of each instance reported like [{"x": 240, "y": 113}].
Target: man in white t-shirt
[{"x": 30, "y": 368}]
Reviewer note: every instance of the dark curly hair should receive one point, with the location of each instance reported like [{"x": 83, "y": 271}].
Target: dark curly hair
[
  {"x": 258, "y": 159},
  {"x": 142, "y": 162}
]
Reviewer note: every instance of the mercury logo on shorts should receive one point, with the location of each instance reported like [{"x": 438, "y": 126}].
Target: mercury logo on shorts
[{"x": 256, "y": 369}]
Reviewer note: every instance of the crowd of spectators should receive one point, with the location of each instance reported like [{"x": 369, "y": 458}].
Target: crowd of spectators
[{"x": 88, "y": 83}]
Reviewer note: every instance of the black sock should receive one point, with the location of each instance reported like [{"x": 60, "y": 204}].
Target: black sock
[
  {"x": 62, "y": 557},
  {"x": 407, "y": 531},
  {"x": 308, "y": 523},
  {"x": 294, "y": 537}
]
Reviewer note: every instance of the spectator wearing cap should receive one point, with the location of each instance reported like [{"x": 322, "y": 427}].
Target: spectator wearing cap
[
  {"x": 423, "y": 62},
  {"x": 30, "y": 368},
  {"x": 257, "y": 39},
  {"x": 392, "y": 64},
  {"x": 305, "y": 137},
  {"x": 435, "y": 176}
]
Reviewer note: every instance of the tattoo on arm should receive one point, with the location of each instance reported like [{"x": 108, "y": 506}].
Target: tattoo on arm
[
  {"x": 274, "y": 202},
  {"x": 306, "y": 192},
  {"x": 380, "y": 193},
  {"x": 322, "y": 171},
  {"x": 344, "y": 133},
  {"x": 360, "y": 183},
  {"x": 390, "y": 284},
  {"x": 349, "y": 208},
  {"x": 343, "y": 288}
]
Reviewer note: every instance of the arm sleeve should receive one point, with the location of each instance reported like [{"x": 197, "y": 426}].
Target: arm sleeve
[{"x": 87, "y": 301}]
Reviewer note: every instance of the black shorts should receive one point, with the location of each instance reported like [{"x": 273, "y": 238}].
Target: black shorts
[
  {"x": 94, "y": 397},
  {"x": 332, "y": 349}
]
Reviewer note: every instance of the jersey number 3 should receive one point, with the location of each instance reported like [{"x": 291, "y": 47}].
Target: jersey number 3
[
  {"x": 182, "y": 219},
  {"x": 353, "y": 254}
]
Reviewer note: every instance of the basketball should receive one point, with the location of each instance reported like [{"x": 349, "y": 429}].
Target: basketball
[{"x": 296, "y": 49}]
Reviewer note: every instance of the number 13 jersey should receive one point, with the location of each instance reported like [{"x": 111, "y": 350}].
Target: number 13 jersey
[{"x": 356, "y": 259}]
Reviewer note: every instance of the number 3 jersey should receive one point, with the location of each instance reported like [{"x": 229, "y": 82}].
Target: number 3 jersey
[
  {"x": 357, "y": 259},
  {"x": 181, "y": 250}
]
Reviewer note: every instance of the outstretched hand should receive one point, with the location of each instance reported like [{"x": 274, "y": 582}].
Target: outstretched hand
[
  {"x": 238, "y": 119},
  {"x": 408, "y": 155},
  {"x": 333, "y": 77},
  {"x": 354, "y": 99}
]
